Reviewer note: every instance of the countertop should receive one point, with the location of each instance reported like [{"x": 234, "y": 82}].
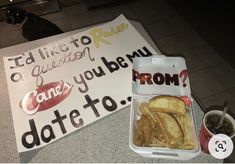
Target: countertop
[{"x": 102, "y": 141}]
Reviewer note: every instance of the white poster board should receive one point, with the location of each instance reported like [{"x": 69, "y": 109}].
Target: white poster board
[{"x": 63, "y": 86}]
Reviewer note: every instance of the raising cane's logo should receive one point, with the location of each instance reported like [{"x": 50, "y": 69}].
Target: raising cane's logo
[{"x": 45, "y": 97}]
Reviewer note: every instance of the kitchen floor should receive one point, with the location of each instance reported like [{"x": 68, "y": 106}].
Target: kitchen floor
[{"x": 212, "y": 78}]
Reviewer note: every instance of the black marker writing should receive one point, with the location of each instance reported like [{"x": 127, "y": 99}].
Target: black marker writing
[{"x": 38, "y": 70}]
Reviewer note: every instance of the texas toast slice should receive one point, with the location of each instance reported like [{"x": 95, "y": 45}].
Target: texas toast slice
[{"x": 167, "y": 104}]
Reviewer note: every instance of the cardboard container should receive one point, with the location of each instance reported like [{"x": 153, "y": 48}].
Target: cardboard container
[{"x": 162, "y": 76}]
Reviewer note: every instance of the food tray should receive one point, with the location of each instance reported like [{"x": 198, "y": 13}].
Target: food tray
[{"x": 162, "y": 77}]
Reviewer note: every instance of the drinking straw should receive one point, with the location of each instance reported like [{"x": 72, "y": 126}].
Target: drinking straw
[{"x": 223, "y": 114}]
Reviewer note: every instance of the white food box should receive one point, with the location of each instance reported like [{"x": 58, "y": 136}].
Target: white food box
[{"x": 154, "y": 76}]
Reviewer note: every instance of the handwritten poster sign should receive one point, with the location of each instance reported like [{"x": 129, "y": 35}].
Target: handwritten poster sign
[{"x": 63, "y": 86}]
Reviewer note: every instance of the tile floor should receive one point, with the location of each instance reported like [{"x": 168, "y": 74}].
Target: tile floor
[
  {"x": 215, "y": 22},
  {"x": 212, "y": 79}
]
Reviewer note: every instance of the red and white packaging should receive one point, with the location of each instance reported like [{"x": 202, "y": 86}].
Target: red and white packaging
[{"x": 158, "y": 76}]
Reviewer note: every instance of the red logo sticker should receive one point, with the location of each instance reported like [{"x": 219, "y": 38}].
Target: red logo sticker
[{"x": 45, "y": 97}]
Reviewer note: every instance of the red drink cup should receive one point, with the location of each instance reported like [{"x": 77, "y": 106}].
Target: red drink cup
[{"x": 205, "y": 134}]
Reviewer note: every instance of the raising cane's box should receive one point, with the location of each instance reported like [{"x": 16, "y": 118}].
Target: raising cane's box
[
  {"x": 63, "y": 86},
  {"x": 161, "y": 117}
]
